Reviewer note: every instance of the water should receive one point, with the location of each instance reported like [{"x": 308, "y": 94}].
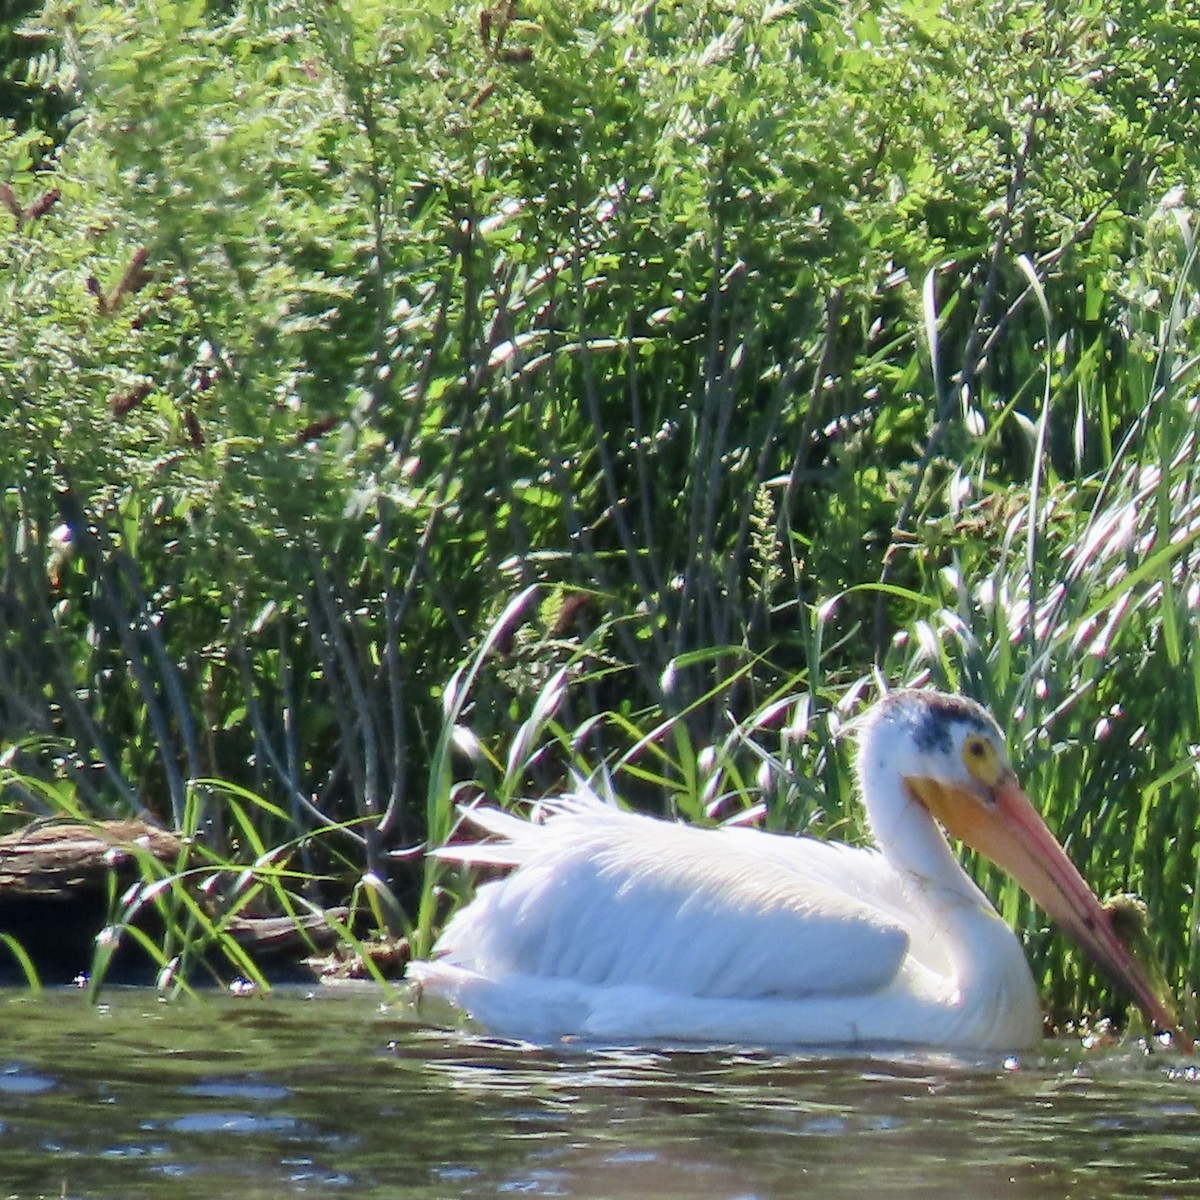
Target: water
[{"x": 341, "y": 1096}]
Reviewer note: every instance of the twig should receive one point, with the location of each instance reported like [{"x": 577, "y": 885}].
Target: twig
[
  {"x": 946, "y": 400},
  {"x": 283, "y": 772},
  {"x": 833, "y": 312},
  {"x": 92, "y": 541},
  {"x": 348, "y": 662}
]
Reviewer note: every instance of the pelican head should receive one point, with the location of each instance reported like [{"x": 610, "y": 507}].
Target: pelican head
[
  {"x": 945, "y": 739},
  {"x": 945, "y": 756}
]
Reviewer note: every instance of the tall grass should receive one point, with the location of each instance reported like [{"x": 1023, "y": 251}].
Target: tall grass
[
  {"x": 1071, "y": 609},
  {"x": 1067, "y": 603}
]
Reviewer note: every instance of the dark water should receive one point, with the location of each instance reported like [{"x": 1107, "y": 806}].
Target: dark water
[{"x": 342, "y": 1096}]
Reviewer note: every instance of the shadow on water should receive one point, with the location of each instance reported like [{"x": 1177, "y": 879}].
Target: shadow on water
[{"x": 341, "y": 1095}]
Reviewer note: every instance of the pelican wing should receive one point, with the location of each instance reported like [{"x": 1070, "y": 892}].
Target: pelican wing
[{"x": 608, "y": 899}]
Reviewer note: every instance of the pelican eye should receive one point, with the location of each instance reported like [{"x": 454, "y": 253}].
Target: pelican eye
[{"x": 981, "y": 760}]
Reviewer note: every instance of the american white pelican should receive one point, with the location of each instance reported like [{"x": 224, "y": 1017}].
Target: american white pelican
[{"x": 620, "y": 928}]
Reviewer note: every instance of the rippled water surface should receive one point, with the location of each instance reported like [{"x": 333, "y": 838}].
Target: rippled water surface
[{"x": 341, "y": 1095}]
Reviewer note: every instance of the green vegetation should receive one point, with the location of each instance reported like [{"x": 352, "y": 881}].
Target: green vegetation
[{"x": 441, "y": 397}]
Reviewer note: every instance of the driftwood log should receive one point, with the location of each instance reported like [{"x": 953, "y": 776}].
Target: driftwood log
[{"x": 57, "y": 883}]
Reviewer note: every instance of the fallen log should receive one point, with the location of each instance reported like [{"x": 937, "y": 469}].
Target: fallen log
[{"x": 58, "y": 884}]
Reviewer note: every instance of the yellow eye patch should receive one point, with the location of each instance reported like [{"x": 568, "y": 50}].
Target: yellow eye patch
[{"x": 983, "y": 760}]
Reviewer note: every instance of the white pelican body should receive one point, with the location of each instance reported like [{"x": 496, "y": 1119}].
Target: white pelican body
[{"x": 619, "y": 928}]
